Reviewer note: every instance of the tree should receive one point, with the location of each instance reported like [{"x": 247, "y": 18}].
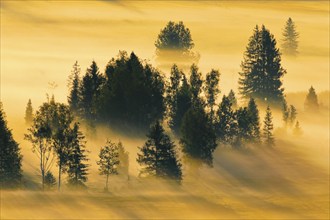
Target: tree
[
  {"x": 109, "y": 161},
  {"x": 232, "y": 99},
  {"x": 268, "y": 128},
  {"x": 297, "y": 129},
  {"x": 50, "y": 181},
  {"x": 90, "y": 91},
  {"x": 311, "y": 102},
  {"x": 198, "y": 139},
  {"x": 40, "y": 136},
  {"x": 157, "y": 156},
  {"x": 262, "y": 72},
  {"x": 196, "y": 82},
  {"x": 290, "y": 36},
  {"x": 77, "y": 168},
  {"x": 28, "y": 113},
  {"x": 183, "y": 102},
  {"x": 292, "y": 115},
  {"x": 175, "y": 36},
  {"x": 211, "y": 90},
  {"x": 123, "y": 161},
  {"x": 74, "y": 89},
  {"x": 254, "y": 121},
  {"x": 133, "y": 94},
  {"x": 285, "y": 113},
  {"x": 243, "y": 131},
  {"x": 10, "y": 156},
  {"x": 226, "y": 122}
]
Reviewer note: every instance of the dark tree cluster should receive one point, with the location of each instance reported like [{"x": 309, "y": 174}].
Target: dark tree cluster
[
  {"x": 10, "y": 156},
  {"x": 262, "y": 72}
]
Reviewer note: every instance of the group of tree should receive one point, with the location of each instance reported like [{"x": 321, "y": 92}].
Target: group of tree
[
  {"x": 10, "y": 156},
  {"x": 55, "y": 136}
]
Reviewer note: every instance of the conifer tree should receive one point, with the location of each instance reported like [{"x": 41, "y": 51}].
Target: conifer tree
[
  {"x": 211, "y": 90},
  {"x": 268, "y": 129},
  {"x": 261, "y": 75},
  {"x": 198, "y": 139},
  {"x": 254, "y": 121},
  {"x": 108, "y": 161},
  {"x": 77, "y": 168},
  {"x": 226, "y": 123},
  {"x": 74, "y": 88},
  {"x": 243, "y": 131},
  {"x": 29, "y": 113},
  {"x": 232, "y": 99},
  {"x": 50, "y": 181},
  {"x": 196, "y": 82},
  {"x": 290, "y": 38},
  {"x": 157, "y": 156},
  {"x": 10, "y": 156},
  {"x": 292, "y": 115},
  {"x": 183, "y": 100},
  {"x": 285, "y": 113},
  {"x": 311, "y": 102},
  {"x": 123, "y": 161},
  {"x": 90, "y": 91}
]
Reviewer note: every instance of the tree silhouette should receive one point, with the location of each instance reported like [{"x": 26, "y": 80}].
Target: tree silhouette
[
  {"x": 74, "y": 89},
  {"x": 297, "y": 131},
  {"x": 285, "y": 113},
  {"x": 290, "y": 38},
  {"x": 108, "y": 161},
  {"x": 226, "y": 122},
  {"x": 262, "y": 72},
  {"x": 268, "y": 128},
  {"x": 232, "y": 99},
  {"x": 311, "y": 102},
  {"x": 123, "y": 161},
  {"x": 157, "y": 156},
  {"x": 254, "y": 121},
  {"x": 10, "y": 156},
  {"x": 50, "y": 181},
  {"x": 211, "y": 90},
  {"x": 198, "y": 137},
  {"x": 28, "y": 113},
  {"x": 77, "y": 169},
  {"x": 292, "y": 115}
]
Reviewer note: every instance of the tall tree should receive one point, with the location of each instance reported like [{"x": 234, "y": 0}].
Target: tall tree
[
  {"x": 196, "y": 82},
  {"x": 77, "y": 167},
  {"x": 211, "y": 90},
  {"x": 90, "y": 91},
  {"x": 108, "y": 161},
  {"x": 198, "y": 137},
  {"x": 290, "y": 38},
  {"x": 285, "y": 113},
  {"x": 226, "y": 122},
  {"x": 244, "y": 129},
  {"x": 40, "y": 136},
  {"x": 74, "y": 88},
  {"x": 232, "y": 99},
  {"x": 183, "y": 99},
  {"x": 28, "y": 113},
  {"x": 268, "y": 129},
  {"x": 311, "y": 102},
  {"x": 10, "y": 156},
  {"x": 292, "y": 115},
  {"x": 254, "y": 121},
  {"x": 157, "y": 156},
  {"x": 262, "y": 72}
]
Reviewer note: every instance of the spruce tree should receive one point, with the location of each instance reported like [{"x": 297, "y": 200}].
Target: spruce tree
[
  {"x": 198, "y": 138},
  {"x": 50, "y": 181},
  {"x": 123, "y": 161},
  {"x": 290, "y": 38},
  {"x": 226, "y": 123},
  {"x": 108, "y": 161},
  {"x": 10, "y": 156},
  {"x": 285, "y": 113},
  {"x": 90, "y": 91},
  {"x": 292, "y": 115},
  {"x": 311, "y": 102},
  {"x": 77, "y": 167},
  {"x": 211, "y": 90},
  {"x": 196, "y": 82},
  {"x": 268, "y": 129},
  {"x": 29, "y": 113},
  {"x": 157, "y": 156},
  {"x": 232, "y": 99},
  {"x": 261, "y": 75},
  {"x": 74, "y": 88},
  {"x": 243, "y": 131},
  {"x": 254, "y": 121}
]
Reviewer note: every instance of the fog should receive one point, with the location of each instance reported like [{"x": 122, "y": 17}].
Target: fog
[{"x": 41, "y": 40}]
